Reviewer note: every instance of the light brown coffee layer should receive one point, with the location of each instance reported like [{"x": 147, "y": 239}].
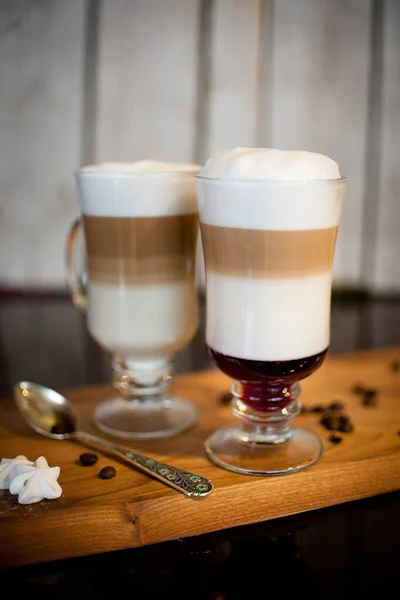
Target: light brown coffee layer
[
  {"x": 141, "y": 250},
  {"x": 267, "y": 253}
]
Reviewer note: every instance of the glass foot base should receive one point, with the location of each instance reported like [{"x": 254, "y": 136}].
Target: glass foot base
[
  {"x": 231, "y": 449},
  {"x": 144, "y": 419}
]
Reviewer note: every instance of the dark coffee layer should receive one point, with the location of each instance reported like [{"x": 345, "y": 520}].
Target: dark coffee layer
[
  {"x": 267, "y": 253},
  {"x": 141, "y": 250}
]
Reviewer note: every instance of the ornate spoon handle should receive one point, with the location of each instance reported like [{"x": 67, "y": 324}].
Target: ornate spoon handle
[{"x": 184, "y": 481}]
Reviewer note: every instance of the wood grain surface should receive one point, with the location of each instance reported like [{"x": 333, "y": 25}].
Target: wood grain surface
[{"x": 132, "y": 510}]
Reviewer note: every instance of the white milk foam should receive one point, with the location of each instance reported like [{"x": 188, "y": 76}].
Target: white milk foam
[
  {"x": 257, "y": 192},
  {"x": 141, "y": 166},
  {"x": 140, "y": 322},
  {"x": 270, "y": 164},
  {"x": 139, "y": 189},
  {"x": 269, "y": 319}
]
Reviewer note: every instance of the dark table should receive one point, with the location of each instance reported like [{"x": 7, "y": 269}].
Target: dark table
[{"x": 352, "y": 548}]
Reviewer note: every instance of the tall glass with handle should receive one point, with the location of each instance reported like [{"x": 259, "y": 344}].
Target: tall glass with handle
[
  {"x": 269, "y": 221},
  {"x": 139, "y": 225}
]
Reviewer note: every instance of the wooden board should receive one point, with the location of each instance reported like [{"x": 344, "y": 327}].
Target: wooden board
[{"x": 131, "y": 510}]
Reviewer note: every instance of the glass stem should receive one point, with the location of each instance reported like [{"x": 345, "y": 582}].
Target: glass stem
[
  {"x": 142, "y": 381},
  {"x": 266, "y": 426}
]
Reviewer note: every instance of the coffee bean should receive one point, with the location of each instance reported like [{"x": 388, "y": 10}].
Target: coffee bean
[
  {"x": 335, "y": 438},
  {"x": 358, "y": 389},
  {"x": 335, "y": 422},
  {"x": 364, "y": 391},
  {"x": 368, "y": 395},
  {"x": 345, "y": 424},
  {"x": 319, "y": 408},
  {"x": 395, "y": 366},
  {"x": 87, "y": 459},
  {"x": 330, "y": 422},
  {"x": 327, "y": 422},
  {"x": 369, "y": 398},
  {"x": 336, "y": 405},
  {"x": 107, "y": 472},
  {"x": 225, "y": 398}
]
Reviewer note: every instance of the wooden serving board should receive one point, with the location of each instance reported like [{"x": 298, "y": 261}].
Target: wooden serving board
[{"x": 131, "y": 510}]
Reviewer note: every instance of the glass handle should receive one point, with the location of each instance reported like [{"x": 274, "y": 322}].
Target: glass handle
[{"x": 75, "y": 265}]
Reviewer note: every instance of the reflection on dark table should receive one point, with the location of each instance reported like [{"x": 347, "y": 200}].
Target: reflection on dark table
[{"x": 352, "y": 548}]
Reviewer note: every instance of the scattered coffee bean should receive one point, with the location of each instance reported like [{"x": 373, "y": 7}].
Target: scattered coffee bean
[
  {"x": 370, "y": 392},
  {"x": 345, "y": 425},
  {"x": 225, "y": 398},
  {"x": 319, "y": 408},
  {"x": 358, "y": 389},
  {"x": 368, "y": 395},
  {"x": 369, "y": 398},
  {"x": 335, "y": 438},
  {"x": 395, "y": 366},
  {"x": 398, "y": 433},
  {"x": 87, "y": 459},
  {"x": 335, "y": 422},
  {"x": 331, "y": 422},
  {"x": 336, "y": 405},
  {"x": 107, "y": 472},
  {"x": 364, "y": 391}
]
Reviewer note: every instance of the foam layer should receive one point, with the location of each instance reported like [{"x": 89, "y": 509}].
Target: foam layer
[
  {"x": 262, "y": 188},
  {"x": 268, "y": 320},
  {"x": 270, "y": 164},
  {"x": 141, "y": 166},
  {"x": 138, "y": 189},
  {"x": 271, "y": 205}
]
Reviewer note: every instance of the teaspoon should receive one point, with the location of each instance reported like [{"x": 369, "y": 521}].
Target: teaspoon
[{"x": 52, "y": 415}]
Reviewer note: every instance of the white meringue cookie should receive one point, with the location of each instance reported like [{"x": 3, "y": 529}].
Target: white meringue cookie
[
  {"x": 20, "y": 474},
  {"x": 41, "y": 463},
  {"x": 32, "y": 481},
  {"x": 35, "y": 485},
  {"x": 9, "y": 467}
]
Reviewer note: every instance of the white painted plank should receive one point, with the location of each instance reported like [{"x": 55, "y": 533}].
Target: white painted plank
[
  {"x": 318, "y": 88},
  {"x": 386, "y": 275},
  {"x": 41, "y": 58},
  {"x": 231, "y": 97},
  {"x": 147, "y": 80}
]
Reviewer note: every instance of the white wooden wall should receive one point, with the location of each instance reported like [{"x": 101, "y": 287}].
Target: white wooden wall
[{"x": 94, "y": 80}]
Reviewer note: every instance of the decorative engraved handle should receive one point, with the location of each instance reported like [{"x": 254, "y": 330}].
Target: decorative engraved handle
[{"x": 184, "y": 481}]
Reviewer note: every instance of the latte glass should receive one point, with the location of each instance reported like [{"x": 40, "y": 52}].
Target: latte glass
[
  {"x": 268, "y": 253},
  {"x": 138, "y": 291}
]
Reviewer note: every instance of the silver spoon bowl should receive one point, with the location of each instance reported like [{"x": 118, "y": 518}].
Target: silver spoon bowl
[{"x": 51, "y": 414}]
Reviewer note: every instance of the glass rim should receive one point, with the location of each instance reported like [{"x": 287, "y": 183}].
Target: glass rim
[
  {"x": 273, "y": 182},
  {"x": 134, "y": 174}
]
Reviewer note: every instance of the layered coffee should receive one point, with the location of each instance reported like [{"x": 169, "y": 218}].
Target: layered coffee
[
  {"x": 141, "y": 226},
  {"x": 269, "y": 222}
]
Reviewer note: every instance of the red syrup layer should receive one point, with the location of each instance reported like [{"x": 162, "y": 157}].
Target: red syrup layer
[{"x": 265, "y": 385}]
